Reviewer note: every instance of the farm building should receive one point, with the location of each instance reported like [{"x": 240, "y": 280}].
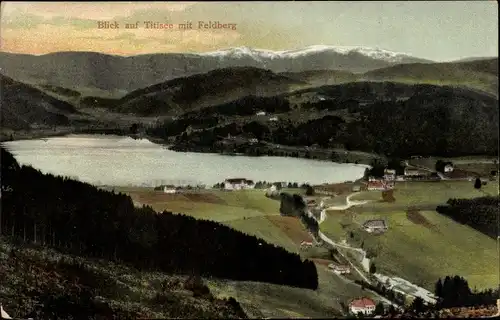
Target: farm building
[
  {"x": 260, "y": 113},
  {"x": 339, "y": 269},
  {"x": 311, "y": 202},
  {"x": 379, "y": 185},
  {"x": 356, "y": 188},
  {"x": 390, "y": 174},
  {"x": 169, "y": 189},
  {"x": 409, "y": 172},
  {"x": 238, "y": 184},
  {"x": 363, "y": 305},
  {"x": 375, "y": 226},
  {"x": 407, "y": 289},
  {"x": 272, "y": 191},
  {"x": 273, "y": 119},
  {"x": 448, "y": 168},
  {"x": 306, "y": 245}
]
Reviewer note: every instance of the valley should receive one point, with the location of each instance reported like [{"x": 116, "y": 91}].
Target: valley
[{"x": 198, "y": 119}]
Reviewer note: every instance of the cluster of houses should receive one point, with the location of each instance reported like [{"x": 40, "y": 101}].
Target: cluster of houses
[
  {"x": 386, "y": 183},
  {"x": 407, "y": 289}
]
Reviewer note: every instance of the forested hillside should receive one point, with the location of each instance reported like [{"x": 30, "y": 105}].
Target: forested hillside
[
  {"x": 23, "y": 106},
  {"x": 383, "y": 118},
  {"x": 81, "y": 219},
  {"x": 479, "y": 213}
]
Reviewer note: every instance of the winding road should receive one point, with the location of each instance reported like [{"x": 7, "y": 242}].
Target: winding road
[
  {"x": 349, "y": 204},
  {"x": 326, "y": 239}
]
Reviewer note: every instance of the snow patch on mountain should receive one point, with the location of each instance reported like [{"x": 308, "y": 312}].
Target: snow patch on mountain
[{"x": 260, "y": 54}]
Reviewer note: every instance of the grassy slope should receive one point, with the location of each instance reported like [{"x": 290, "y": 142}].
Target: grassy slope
[
  {"x": 482, "y": 75},
  {"x": 419, "y": 253},
  {"x": 423, "y": 255},
  {"x": 286, "y": 302},
  {"x": 261, "y": 299},
  {"x": 415, "y": 193},
  {"x": 121, "y": 287}
]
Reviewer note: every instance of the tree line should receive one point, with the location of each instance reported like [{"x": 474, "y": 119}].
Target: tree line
[
  {"x": 82, "y": 219},
  {"x": 451, "y": 291},
  {"x": 478, "y": 213},
  {"x": 294, "y": 206},
  {"x": 398, "y": 132},
  {"x": 454, "y": 291}
]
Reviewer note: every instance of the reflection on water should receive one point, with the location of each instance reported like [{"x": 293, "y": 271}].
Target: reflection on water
[{"x": 112, "y": 160}]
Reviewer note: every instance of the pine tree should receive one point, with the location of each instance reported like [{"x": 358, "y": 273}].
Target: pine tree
[
  {"x": 379, "y": 309},
  {"x": 438, "y": 291},
  {"x": 477, "y": 183}
]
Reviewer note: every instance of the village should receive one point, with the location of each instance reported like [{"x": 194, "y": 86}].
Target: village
[{"x": 343, "y": 264}]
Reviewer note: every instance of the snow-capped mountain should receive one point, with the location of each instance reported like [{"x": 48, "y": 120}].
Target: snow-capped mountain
[
  {"x": 124, "y": 74},
  {"x": 263, "y": 54}
]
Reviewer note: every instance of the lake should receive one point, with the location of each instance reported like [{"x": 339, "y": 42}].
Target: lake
[{"x": 123, "y": 161}]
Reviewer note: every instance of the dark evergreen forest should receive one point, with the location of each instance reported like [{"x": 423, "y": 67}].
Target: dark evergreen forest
[
  {"x": 478, "y": 213},
  {"x": 79, "y": 218}
]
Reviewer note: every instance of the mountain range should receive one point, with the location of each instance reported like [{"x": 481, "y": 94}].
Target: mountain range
[
  {"x": 106, "y": 75},
  {"x": 80, "y": 90}
]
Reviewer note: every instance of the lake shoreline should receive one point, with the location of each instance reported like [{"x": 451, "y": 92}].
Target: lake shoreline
[
  {"x": 140, "y": 162},
  {"x": 345, "y": 157}
]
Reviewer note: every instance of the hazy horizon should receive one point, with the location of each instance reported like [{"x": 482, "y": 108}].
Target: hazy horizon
[{"x": 438, "y": 31}]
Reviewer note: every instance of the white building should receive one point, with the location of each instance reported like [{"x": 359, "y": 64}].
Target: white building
[
  {"x": 375, "y": 226},
  {"x": 363, "y": 305},
  {"x": 273, "y": 119},
  {"x": 169, "y": 189},
  {"x": 238, "y": 184},
  {"x": 390, "y": 174},
  {"x": 3, "y": 314},
  {"x": 260, "y": 113},
  {"x": 272, "y": 191},
  {"x": 407, "y": 288},
  {"x": 448, "y": 168},
  {"x": 306, "y": 245},
  {"x": 338, "y": 269}
]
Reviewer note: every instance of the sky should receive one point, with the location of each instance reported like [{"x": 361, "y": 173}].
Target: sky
[{"x": 435, "y": 30}]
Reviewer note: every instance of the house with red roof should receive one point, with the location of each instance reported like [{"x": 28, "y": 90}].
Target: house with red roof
[
  {"x": 379, "y": 184},
  {"x": 363, "y": 305}
]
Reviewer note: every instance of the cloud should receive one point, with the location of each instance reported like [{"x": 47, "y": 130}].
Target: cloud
[
  {"x": 90, "y": 10},
  {"x": 48, "y": 27},
  {"x": 82, "y": 15},
  {"x": 21, "y": 20}
]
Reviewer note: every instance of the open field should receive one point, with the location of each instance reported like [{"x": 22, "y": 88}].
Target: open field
[
  {"x": 482, "y": 168},
  {"x": 470, "y": 163},
  {"x": 267, "y": 300},
  {"x": 206, "y": 204},
  {"x": 265, "y": 229},
  {"x": 419, "y": 193},
  {"x": 249, "y": 211},
  {"x": 424, "y": 246}
]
